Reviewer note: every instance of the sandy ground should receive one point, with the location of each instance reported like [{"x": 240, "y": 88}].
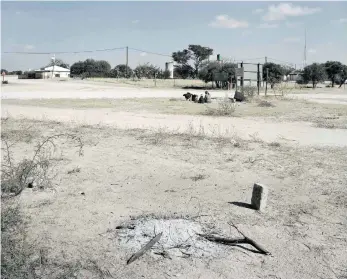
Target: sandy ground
[
  {"x": 125, "y": 175},
  {"x": 71, "y": 89},
  {"x": 158, "y": 168},
  {"x": 294, "y": 133}
]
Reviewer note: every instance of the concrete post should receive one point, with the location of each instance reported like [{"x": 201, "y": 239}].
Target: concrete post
[{"x": 259, "y": 196}]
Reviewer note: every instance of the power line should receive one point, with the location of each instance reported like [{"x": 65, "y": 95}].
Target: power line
[
  {"x": 287, "y": 62},
  {"x": 155, "y": 53},
  {"x": 64, "y": 52}
]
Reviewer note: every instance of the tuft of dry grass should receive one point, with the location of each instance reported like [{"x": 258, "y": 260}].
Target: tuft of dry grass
[
  {"x": 264, "y": 103},
  {"x": 226, "y": 107},
  {"x": 74, "y": 170},
  {"x": 198, "y": 177}
]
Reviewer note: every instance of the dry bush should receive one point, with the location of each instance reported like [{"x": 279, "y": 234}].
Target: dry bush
[
  {"x": 264, "y": 103},
  {"x": 249, "y": 91},
  {"x": 38, "y": 170},
  {"x": 282, "y": 89},
  {"x": 226, "y": 107}
]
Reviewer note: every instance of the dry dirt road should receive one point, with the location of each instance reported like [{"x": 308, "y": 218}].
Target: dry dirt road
[
  {"x": 298, "y": 133},
  {"x": 72, "y": 89}
]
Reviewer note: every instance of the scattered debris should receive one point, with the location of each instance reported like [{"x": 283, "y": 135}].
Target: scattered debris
[
  {"x": 129, "y": 227},
  {"x": 74, "y": 170},
  {"x": 145, "y": 248}
]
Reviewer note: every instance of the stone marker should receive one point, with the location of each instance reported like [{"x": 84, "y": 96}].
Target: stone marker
[{"x": 259, "y": 196}]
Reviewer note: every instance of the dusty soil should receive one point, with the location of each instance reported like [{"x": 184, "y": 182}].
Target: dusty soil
[
  {"x": 127, "y": 174},
  {"x": 164, "y": 164}
]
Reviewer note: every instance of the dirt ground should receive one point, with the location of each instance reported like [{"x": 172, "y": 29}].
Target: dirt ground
[{"x": 169, "y": 165}]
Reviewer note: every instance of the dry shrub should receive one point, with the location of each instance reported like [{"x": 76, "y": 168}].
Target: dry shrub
[
  {"x": 249, "y": 91},
  {"x": 38, "y": 170},
  {"x": 226, "y": 107},
  {"x": 282, "y": 89},
  {"x": 264, "y": 103}
]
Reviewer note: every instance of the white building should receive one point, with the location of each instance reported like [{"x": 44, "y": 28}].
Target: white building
[{"x": 52, "y": 72}]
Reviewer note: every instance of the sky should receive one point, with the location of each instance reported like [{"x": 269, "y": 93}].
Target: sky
[{"x": 235, "y": 30}]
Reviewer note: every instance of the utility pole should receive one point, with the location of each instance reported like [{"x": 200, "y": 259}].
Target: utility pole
[
  {"x": 53, "y": 58},
  {"x": 305, "y": 51},
  {"x": 265, "y": 59},
  {"x": 126, "y": 61},
  {"x": 267, "y": 78}
]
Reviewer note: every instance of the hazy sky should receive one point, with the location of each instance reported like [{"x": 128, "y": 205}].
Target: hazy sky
[{"x": 239, "y": 30}]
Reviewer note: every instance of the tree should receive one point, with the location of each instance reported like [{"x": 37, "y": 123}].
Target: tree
[
  {"x": 342, "y": 75},
  {"x": 122, "y": 71},
  {"x": 314, "y": 73},
  {"x": 60, "y": 63},
  {"x": 275, "y": 75},
  {"x": 333, "y": 69},
  {"x": 199, "y": 54},
  {"x": 91, "y": 68},
  {"x": 183, "y": 71},
  {"x": 147, "y": 71},
  {"x": 210, "y": 71},
  {"x": 181, "y": 57},
  {"x": 4, "y": 70}
]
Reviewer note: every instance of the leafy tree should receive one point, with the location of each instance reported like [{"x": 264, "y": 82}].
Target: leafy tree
[
  {"x": 122, "y": 71},
  {"x": 210, "y": 70},
  {"x": 60, "y": 63},
  {"x": 333, "y": 69},
  {"x": 342, "y": 75},
  {"x": 183, "y": 71},
  {"x": 91, "y": 68},
  {"x": 276, "y": 73},
  {"x": 314, "y": 73},
  {"x": 147, "y": 71},
  {"x": 199, "y": 54},
  {"x": 181, "y": 57}
]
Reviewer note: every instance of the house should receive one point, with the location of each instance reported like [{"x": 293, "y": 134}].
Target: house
[
  {"x": 294, "y": 75},
  {"x": 52, "y": 72}
]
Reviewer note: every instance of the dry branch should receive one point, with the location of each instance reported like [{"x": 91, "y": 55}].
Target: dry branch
[
  {"x": 145, "y": 248},
  {"x": 236, "y": 241}
]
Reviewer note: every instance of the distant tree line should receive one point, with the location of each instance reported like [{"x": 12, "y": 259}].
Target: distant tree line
[
  {"x": 193, "y": 63},
  {"x": 101, "y": 68},
  {"x": 334, "y": 71}
]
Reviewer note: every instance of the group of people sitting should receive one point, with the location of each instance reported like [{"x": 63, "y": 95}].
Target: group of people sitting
[{"x": 195, "y": 98}]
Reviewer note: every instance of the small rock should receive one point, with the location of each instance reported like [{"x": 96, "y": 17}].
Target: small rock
[{"x": 82, "y": 193}]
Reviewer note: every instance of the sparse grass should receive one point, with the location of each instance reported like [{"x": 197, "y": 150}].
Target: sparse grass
[
  {"x": 150, "y": 83},
  {"x": 284, "y": 109},
  {"x": 329, "y": 123}
]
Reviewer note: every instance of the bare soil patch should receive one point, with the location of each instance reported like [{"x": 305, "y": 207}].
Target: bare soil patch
[{"x": 126, "y": 175}]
